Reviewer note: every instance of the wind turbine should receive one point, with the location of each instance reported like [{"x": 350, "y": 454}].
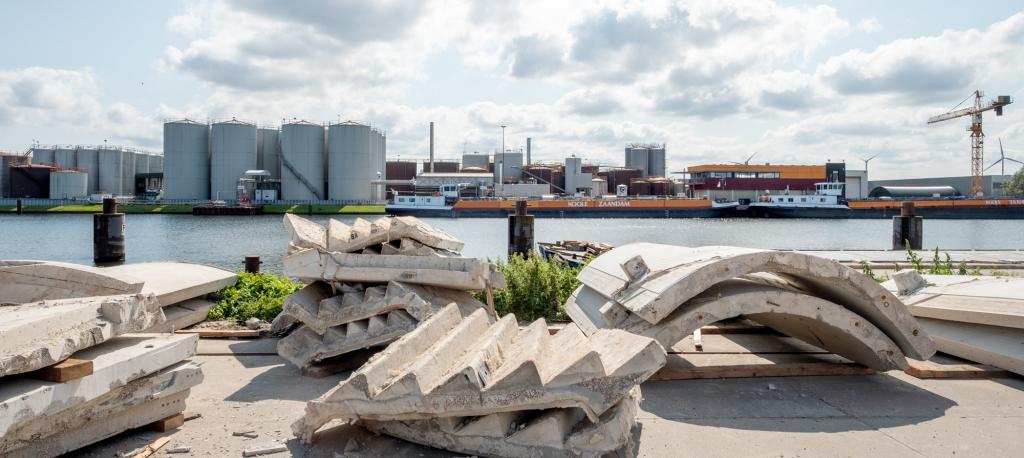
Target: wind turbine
[
  {"x": 1002, "y": 159},
  {"x": 866, "y": 162},
  {"x": 746, "y": 162}
]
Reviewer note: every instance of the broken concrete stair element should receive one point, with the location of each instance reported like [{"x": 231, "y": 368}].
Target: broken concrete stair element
[
  {"x": 183, "y": 314},
  {"x": 456, "y": 366},
  {"x": 130, "y": 405},
  {"x": 908, "y": 281},
  {"x": 993, "y": 345},
  {"x": 39, "y": 334},
  {"x": 304, "y": 234},
  {"x": 304, "y": 347},
  {"x": 174, "y": 282},
  {"x": 32, "y": 281},
  {"x": 115, "y": 363},
  {"x": 791, "y": 312},
  {"x": 652, "y": 280},
  {"x": 362, "y": 234},
  {"x": 455, "y": 273},
  {"x": 548, "y": 433}
]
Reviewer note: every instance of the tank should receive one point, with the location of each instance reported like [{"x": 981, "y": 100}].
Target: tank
[
  {"x": 539, "y": 172},
  {"x": 508, "y": 165},
  {"x": 232, "y": 153},
  {"x": 302, "y": 146},
  {"x": 475, "y": 160},
  {"x": 351, "y": 160},
  {"x": 6, "y": 161},
  {"x": 64, "y": 158},
  {"x": 156, "y": 164},
  {"x": 661, "y": 187},
  {"x": 68, "y": 184},
  {"x": 639, "y": 188},
  {"x": 142, "y": 164},
  {"x": 656, "y": 161},
  {"x": 619, "y": 176},
  {"x": 128, "y": 173},
  {"x": 110, "y": 169},
  {"x": 42, "y": 156},
  {"x": 589, "y": 168},
  {"x": 30, "y": 181},
  {"x": 444, "y": 166},
  {"x": 186, "y": 160},
  {"x": 599, "y": 187},
  {"x": 268, "y": 151},
  {"x": 473, "y": 170},
  {"x": 87, "y": 160},
  {"x": 636, "y": 158},
  {"x": 401, "y": 170}
]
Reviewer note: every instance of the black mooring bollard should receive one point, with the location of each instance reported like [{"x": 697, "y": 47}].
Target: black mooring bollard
[
  {"x": 907, "y": 228},
  {"x": 252, "y": 264},
  {"x": 19, "y": 207},
  {"x": 520, "y": 231},
  {"x": 108, "y": 242}
]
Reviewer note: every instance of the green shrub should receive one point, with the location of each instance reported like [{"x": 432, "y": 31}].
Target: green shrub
[
  {"x": 536, "y": 288},
  {"x": 253, "y": 296}
]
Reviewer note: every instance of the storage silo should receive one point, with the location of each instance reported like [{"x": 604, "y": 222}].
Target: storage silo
[
  {"x": 128, "y": 173},
  {"x": 111, "y": 171},
  {"x": 656, "y": 161},
  {"x": 475, "y": 160},
  {"x": 302, "y": 154},
  {"x": 68, "y": 184},
  {"x": 351, "y": 160},
  {"x": 508, "y": 166},
  {"x": 637, "y": 158},
  {"x": 232, "y": 153},
  {"x": 30, "y": 180},
  {"x": 156, "y": 164},
  {"x": 42, "y": 156},
  {"x": 6, "y": 161},
  {"x": 142, "y": 163},
  {"x": 87, "y": 160},
  {"x": 64, "y": 158},
  {"x": 268, "y": 151},
  {"x": 598, "y": 187},
  {"x": 640, "y": 188},
  {"x": 186, "y": 160}
]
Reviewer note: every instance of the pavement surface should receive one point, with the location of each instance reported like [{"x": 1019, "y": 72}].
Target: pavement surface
[{"x": 248, "y": 388}]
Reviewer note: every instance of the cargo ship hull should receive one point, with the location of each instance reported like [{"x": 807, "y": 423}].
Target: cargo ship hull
[
  {"x": 932, "y": 209},
  {"x": 575, "y": 208}
]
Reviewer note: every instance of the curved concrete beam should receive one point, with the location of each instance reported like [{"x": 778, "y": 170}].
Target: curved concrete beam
[
  {"x": 652, "y": 280},
  {"x": 22, "y": 282}
]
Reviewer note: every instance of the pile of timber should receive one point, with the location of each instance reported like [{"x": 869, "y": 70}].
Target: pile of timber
[
  {"x": 367, "y": 284},
  {"x": 79, "y": 359},
  {"x": 976, "y": 318}
]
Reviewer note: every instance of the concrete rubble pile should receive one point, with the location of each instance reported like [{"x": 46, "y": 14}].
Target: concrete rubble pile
[
  {"x": 74, "y": 365},
  {"x": 977, "y": 318},
  {"x": 668, "y": 292},
  {"x": 466, "y": 384},
  {"x": 369, "y": 283}
]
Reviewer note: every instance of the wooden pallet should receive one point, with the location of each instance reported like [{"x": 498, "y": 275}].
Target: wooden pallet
[{"x": 949, "y": 368}]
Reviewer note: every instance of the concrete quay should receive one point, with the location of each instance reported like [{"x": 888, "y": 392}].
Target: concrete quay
[{"x": 248, "y": 387}]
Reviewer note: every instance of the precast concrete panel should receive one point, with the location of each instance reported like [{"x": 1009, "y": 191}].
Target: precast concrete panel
[
  {"x": 68, "y": 184},
  {"x": 186, "y": 160},
  {"x": 508, "y": 165},
  {"x": 64, "y": 158},
  {"x": 232, "y": 153},
  {"x": 352, "y": 161},
  {"x": 302, "y": 146},
  {"x": 268, "y": 151},
  {"x": 110, "y": 169},
  {"x": 656, "y": 162},
  {"x": 42, "y": 156},
  {"x": 87, "y": 160}
]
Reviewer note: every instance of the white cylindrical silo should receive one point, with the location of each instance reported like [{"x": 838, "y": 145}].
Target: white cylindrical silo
[
  {"x": 351, "y": 161},
  {"x": 156, "y": 164},
  {"x": 142, "y": 163},
  {"x": 186, "y": 160},
  {"x": 42, "y": 156},
  {"x": 65, "y": 157},
  {"x": 508, "y": 166},
  {"x": 110, "y": 170},
  {"x": 232, "y": 153},
  {"x": 128, "y": 173},
  {"x": 87, "y": 160},
  {"x": 268, "y": 151},
  {"x": 68, "y": 184},
  {"x": 302, "y": 161}
]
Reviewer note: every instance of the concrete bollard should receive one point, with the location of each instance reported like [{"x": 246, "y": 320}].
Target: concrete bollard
[
  {"x": 108, "y": 241},
  {"x": 907, "y": 228},
  {"x": 252, "y": 264},
  {"x": 19, "y": 207},
  {"x": 520, "y": 231}
]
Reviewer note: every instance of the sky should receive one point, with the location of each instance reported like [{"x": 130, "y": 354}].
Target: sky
[{"x": 716, "y": 81}]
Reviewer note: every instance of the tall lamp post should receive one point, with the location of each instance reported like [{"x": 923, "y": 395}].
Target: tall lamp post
[{"x": 501, "y": 163}]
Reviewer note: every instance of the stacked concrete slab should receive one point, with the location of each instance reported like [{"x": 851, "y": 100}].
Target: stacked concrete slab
[
  {"x": 668, "y": 292},
  {"x": 368, "y": 284},
  {"x": 466, "y": 384},
  {"x": 977, "y": 318}
]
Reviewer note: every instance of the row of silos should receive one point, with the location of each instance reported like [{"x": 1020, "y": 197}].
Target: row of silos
[
  {"x": 110, "y": 170},
  {"x": 355, "y": 157},
  {"x": 650, "y": 159}
]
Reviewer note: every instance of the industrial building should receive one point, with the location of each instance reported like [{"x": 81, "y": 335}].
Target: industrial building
[
  {"x": 78, "y": 171},
  {"x": 991, "y": 185},
  {"x": 747, "y": 181}
]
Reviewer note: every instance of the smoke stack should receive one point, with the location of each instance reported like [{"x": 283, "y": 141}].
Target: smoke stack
[
  {"x": 528, "y": 142},
  {"x": 431, "y": 146}
]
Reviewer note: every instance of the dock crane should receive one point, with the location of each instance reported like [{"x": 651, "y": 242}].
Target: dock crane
[{"x": 977, "y": 136}]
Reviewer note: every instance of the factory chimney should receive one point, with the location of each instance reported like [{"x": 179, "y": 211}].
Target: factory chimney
[
  {"x": 431, "y": 146},
  {"x": 528, "y": 145}
]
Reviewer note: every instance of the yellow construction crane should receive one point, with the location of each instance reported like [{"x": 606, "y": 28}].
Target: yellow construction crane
[{"x": 977, "y": 136}]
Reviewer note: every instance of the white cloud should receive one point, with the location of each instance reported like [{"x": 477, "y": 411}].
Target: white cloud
[{"x": 869, "y": 25}]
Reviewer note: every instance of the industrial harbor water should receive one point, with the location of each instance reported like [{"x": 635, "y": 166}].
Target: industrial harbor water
[{"x": 223, "y": 241}]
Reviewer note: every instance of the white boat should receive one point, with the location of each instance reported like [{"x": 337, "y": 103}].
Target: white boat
[{"x": 827, "y": 201}]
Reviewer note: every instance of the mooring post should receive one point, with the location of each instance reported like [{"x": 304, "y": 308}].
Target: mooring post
[
  {"x": 907, "y": 229},
  {"x": 108, "y": 241},
  {"x": 252, "y": 264},
  {"x": 520, "y": 231},
  {"x": 20, "y": 209}
]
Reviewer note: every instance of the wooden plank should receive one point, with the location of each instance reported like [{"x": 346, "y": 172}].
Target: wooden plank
[
  {"x": 64, "y": 371},
  {"x": 934, "y": 369},
  {"x": 717, "y": 366},
  {"x": 151, "y": 449},
  {"x": 745, "y": 344},
  {"x": 169, "y": 423},
  {"x": 220, "y": 333}
]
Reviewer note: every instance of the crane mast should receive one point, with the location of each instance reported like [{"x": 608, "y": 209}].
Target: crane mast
[{"x": 977, "y": 134}]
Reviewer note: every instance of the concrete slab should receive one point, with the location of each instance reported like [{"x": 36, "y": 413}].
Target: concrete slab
[
  {"x": 362, "y": 234},
  {"x": 466, "y": 274},
  {"x": 183, "y": 315},
  {"x": 304, "y": 234},
  {"x": 971, "y": 309},
  {"x": 174, "y": 282},
  {"x": 115, "y": 363},
  {"x": 33, "y": 281},
  {"x": 993, "y": 345},
  {"x": 43, "y": 333}
]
